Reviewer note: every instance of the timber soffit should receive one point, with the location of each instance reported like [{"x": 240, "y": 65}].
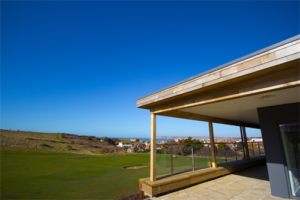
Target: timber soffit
[
  {"x": 198, "y": 117},
  {"x": 271, "y": 49}
]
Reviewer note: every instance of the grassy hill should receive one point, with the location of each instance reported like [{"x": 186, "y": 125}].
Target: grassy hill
[
  {"x": 41, "y": 166},
  {"x": 54, "y": 142}
]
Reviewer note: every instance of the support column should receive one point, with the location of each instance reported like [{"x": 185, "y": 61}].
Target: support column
[
  {"x": 153, "y": 149},
  {"x": 246, "y": 142},
  {"x": 242, "y": 139},
  {"x": 212, "y": 144}
]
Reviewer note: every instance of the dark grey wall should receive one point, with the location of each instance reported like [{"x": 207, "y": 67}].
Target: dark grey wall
[{"x": 269, "y": 118}]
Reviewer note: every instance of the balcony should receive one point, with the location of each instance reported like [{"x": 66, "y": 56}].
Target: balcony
[
  {"x": 189, "y": 164},
  {"x": 252, "y": 183}
]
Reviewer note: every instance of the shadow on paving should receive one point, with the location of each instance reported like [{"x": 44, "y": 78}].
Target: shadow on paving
[{"x": 257, "y": 172}]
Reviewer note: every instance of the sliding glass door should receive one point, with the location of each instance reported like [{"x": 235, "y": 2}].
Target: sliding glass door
[{"x": 291, "y": 143}]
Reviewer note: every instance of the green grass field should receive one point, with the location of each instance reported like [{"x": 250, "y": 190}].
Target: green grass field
[
  {"x": 68, "y": 176},
  {"x": 71, "y": 176},
  {"x": 31, "y": 171}
]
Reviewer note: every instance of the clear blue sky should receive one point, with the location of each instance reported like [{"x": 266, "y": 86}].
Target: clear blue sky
[{"x": 78, "y": 67}]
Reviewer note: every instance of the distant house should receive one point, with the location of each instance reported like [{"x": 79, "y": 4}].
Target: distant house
[
  {"x": 134, "y": 140},
  {"x": 136, "y": 147},
  {"x": 124, "y": 143},
  {"x": 130, "y": 150},
  {"x": 255, "y": 140}
]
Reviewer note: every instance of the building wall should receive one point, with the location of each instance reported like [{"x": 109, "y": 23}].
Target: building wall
[{"x": 269, "y": 118}]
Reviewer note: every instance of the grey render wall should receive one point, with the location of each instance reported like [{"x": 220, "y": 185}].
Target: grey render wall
[{"x": 269, "y": 118}]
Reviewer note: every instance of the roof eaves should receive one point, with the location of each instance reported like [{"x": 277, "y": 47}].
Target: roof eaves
[{"x": 230, "y": 63}]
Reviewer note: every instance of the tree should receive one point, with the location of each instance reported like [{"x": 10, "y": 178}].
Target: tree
[
  {"x": 176, "y": 149},
  {"x": 116, "y": 140},
  {"x": 240, "y": 146},
  {"x": 197, "y": 143},
  {"x": 222, "y": 146},
  {"x": 125, "y": 148},
  {"x": 108, "y": 140},
  {"x": 159, "y": 151},
  {"x": 187, "y": 149}
]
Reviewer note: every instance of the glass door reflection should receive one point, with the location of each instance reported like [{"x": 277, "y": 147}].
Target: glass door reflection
[{"x": 291, "y": 143}]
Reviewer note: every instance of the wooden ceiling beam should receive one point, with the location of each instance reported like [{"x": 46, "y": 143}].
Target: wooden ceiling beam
[{"x": 197, "y": 117}]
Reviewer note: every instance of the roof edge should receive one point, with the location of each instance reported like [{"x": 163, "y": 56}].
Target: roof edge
[{"x": 230, "y": 63}]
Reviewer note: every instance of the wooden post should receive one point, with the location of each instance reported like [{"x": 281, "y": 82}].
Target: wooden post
[
  {"x": 153, "y": 149},
  {"x": 246, "y": 142},
  {"x": 141, "y": 194},
  {"x": 212, "y": 142}
]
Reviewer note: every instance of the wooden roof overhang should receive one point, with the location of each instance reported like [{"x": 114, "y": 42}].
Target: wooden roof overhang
[{"x": 270, "y": 69}]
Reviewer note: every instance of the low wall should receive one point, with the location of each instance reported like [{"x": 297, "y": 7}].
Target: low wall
[{"x": 190, "y": 178}]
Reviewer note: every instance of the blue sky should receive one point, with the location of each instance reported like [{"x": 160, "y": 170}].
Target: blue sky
[{"x": 78, "y": 67}]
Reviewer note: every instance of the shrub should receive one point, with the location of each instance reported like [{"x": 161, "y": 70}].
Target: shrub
[
  {"x": 69, "y": 147},
  {"x": 111, "y": 151},
  {"x": 103, "y": 150},
  {"x": 45, "y": 145}
]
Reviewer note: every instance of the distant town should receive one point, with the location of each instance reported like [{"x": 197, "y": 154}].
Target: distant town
[{"x": 137, "y": 145}]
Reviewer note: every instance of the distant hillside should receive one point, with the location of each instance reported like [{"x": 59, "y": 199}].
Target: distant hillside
[{"x": 24, "y": 141}]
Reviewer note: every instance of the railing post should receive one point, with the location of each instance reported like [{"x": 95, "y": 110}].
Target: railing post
[
  {"x": 193, "y": 158},
  {"x": 258, "y": 149},
  {"x": 225, "y": 153},
  {"x": 253, "y": 150},
  {"x": 235, "y": 153},
  {"x": 212, "y": 142},
  {"x": 209, "y": 156},
  {"x": 171, "y": 159},
  {"x": 246, "y": 141},
  {"x": 242, "y": 138},
  {"x": 153, "y": 149}
]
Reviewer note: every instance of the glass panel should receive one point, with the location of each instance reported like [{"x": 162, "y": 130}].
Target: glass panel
[
  {"x": 163, "y": 161},
  {"x": 291, "y": 144},
  {"x": 182, "y": 158},
  {"x": 261, "y": 148},
  {"x": 201, "y": 156}
]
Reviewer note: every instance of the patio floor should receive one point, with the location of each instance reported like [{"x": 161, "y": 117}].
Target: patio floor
[{"x": 252, "y": 183}]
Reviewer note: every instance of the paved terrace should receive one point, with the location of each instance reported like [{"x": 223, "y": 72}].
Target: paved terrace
[{"x": 249, "y": 184}]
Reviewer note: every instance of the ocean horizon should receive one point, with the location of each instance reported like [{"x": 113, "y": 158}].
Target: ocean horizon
[{"x": 145, "y": 139}]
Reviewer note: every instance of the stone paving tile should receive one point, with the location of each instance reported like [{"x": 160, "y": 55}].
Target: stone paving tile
[
  {"x": 264, "y": 184},
  {"x": 225, "y": 181},
  {"x": 229, "y": 192},
  {"x": 249, "y": 182},
  {"x": 216, "y": 187},
  {"x": 217, "y": 195},
  {"x": 261, "y": 189},
  {"x": 235, "y": 198},
  {"x": 202, "y": 191},
  {"x": 270, "y": 197},
  {"x": 256, "y": 193},
  {"x": 207, "y": 184},
  {"x": 246, "y": 197},
  {"x": 240, "y": 186}
]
